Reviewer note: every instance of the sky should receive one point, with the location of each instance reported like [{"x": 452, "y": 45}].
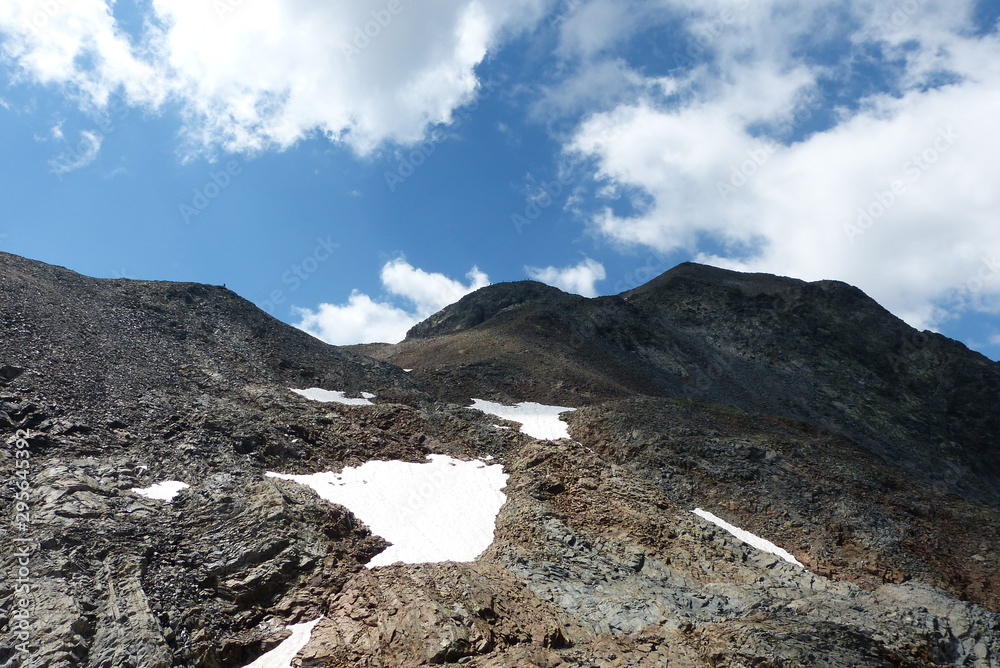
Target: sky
[{"x": 352, "y": 167}]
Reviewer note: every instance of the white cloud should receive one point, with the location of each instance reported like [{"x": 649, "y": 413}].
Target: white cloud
[
  {"x": 360, "y": 320},
  {"x": 264, "y": 74},
  {"x": 592, "y": 85},
  {"x": 715, "y": 163},
  {"x": 578, "y": 279},
  {"x": 79, "y": 156},
  {"x": 428, "y": 292},
  {"x": 587, "y": 28},
  {"x": 364, "y": 320}
]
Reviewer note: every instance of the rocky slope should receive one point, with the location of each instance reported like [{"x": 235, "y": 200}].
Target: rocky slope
[
  {"x": 820, "y": 352},
  {"x": 801, "y": 412}
]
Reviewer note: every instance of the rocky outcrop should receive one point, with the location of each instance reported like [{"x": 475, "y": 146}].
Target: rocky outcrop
[
  {"x": 431, "y": 614},
  {"x": 617, "y": 553},
  {"x": 128, "y": 633}
]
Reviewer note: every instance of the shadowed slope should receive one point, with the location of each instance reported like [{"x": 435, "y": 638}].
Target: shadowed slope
[
  {"x": 823, "y": 352},
  {"x": 99, "y": 342}
]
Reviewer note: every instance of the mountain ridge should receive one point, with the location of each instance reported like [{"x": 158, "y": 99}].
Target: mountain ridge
[{"x": 822, "y": 352}]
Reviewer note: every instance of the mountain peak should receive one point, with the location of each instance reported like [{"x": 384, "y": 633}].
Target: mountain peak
[
  {"x": 693, "y": 273},
  {"x": 486, "y": 303}
]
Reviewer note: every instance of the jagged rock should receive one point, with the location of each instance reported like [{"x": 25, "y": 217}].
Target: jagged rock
[
  {"x": 9, "y": 373},
  {"x": 430, "y": 614},
  {"x": 128, "y": 634},
  {"x": 68, "y": 622}
]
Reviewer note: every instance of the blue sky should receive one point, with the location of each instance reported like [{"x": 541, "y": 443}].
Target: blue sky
[{"x": 354, "y": 183}]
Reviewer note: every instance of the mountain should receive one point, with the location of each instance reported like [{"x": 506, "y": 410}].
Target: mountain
[
  {"x": 822, "y": 352},
  {"x": 801, "y": 412}
]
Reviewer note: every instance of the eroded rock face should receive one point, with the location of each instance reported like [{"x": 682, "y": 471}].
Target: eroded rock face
[
  {"x": 597, "y": 559},
  {"x": 431, "y": 614}
]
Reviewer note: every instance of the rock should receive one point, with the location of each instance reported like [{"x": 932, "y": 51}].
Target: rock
[
  {"x": 128, "y": 635},
  {"x": 433, "y": 613},
  {"x": 9, "y": 373}
]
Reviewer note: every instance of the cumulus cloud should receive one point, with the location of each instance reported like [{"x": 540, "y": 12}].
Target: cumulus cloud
[
  {"x": 364, "y": 320},
  {"x": 264, "y": 74},
  {"x": 894, "y": 192},
  {"x": 78, "y": 45},
  {"x": 578, "y": 279}
]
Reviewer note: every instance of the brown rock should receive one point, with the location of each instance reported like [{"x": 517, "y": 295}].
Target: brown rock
[{"x": 403, "y": 616}]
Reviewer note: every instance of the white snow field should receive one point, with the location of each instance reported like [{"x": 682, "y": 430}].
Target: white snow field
[
  {"x": 282, "y": 655},
  {"x": 441, "y": 510},
  {"x": 334, "y": 397},
  {"x": 537, "y": 420},
  {"x": 163, "y": 491},
  {"x": 747, "y": 537}
]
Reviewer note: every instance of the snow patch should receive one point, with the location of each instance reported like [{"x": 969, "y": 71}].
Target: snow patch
[
  {"x": 162, "y": 491},
  {"x": 282, "y": 655},
  {"x": 537, "y": 420},
  {"x": 332, "y": 396},
  {"x": 747, "y": 537},
  {"x": 441, "y": 510}
]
